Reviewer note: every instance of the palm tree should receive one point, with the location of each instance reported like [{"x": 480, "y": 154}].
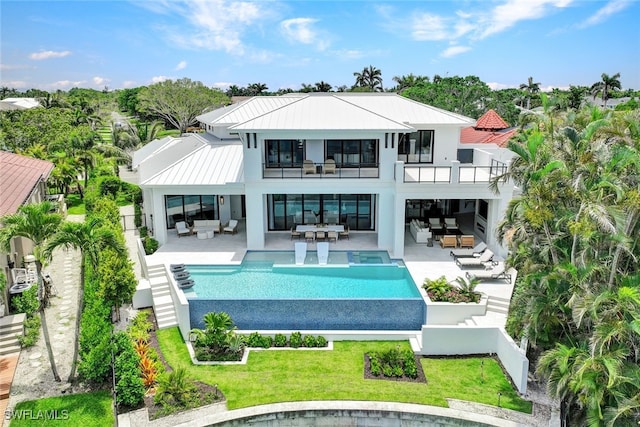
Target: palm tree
[
  {"x": 90, "y": 237},
  {"x": 370, "y": 77},
  {"x": 322, "y": 86},
  {"x": 531, "y": 89},
  {"x": 256, "y": 88},
  {"x": 36, "y": 223},
  {"x": 408, "y": 81},
  {"x": 605, "y": 86}
]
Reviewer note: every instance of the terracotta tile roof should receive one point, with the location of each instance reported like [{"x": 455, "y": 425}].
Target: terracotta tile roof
[
  {"x": 489, "y": 129},
  {"x": 491, "y": 121},
  {"x": 19, "y": 175}
]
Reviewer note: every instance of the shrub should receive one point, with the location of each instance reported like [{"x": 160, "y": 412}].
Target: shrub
[
  {"x": 144, "y": 232},
  {"x": 109, "y": 185},
  {"x": 295, "y": 340},
  {"x": 280, "y": 340},
  {"x": 150, "y": 245},
  {"x": 174, "y": 388},
  {"x": 393, "y": 363},
  {"x": 321, "y": 341},
  {"x": 309, "y": 341},
  {"x": 129, "y": 386},
  {"x": 31, "y": 331},
  {"x": 26, "y": 302}
]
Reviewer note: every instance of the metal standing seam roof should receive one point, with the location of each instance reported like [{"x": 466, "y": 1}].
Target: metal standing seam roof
[
  {"x": 19, "y": 175},
  {"x": 405, "y": 110},
  {"x": 211, "y": 164},
  {"x": 149, "y": 149},
  {"x": 247, "y": 110},
  {"x": 322, "y": 112}
]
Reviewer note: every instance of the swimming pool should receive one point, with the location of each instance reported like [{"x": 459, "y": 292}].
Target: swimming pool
[{"x": 268, "y": 292}]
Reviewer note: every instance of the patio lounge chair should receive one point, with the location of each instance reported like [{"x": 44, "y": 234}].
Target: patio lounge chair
[
  {"x": 329, "y": 166},
  {"x": 323, "y": 253},
  {"x": 295, "y": 233},
  {"x": 182, "y": 229},
  {"x": 177, "y": 267},
  {"x": 451, "y": 224},
  {"x": 181, "y": 275},
  {"x": 308, "y": 167},
  {"x": 435, "y": 224},
  {"x": 186, "y": 283},
  {"x": 497, "y": 272},
  {"x": 448, "y": 241},
  {"x": 467, "y": 253},
  {"x": 466, "y": 241},
  {"x": 481, "y": 261},
  {"x": 301, "y": 252},
  {"x": 232, "y": 227}
]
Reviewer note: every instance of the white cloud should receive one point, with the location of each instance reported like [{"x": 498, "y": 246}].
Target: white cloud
[
  {"x": 506, "y": 15},
  {"x": 454, "y": 50},
  {"x": 605, "y": 12},
  {"x": 16, "y": 84},
  {"x": 100, "y": 81},
  {"x": 159, "y": 79},
  {"x": 498, "y": 86},
  {"x": 428, "y": 27},
  {"x": 129, "y": 84},
  {"x": 181, "y": 65},
  {"x": 223, "y": 85},
  {"x": 48, "y": 54},
  {"x": 214, "y": 24},
  {"x": 66, "y": 84}
]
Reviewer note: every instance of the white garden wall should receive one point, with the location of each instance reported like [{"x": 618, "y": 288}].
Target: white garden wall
[{"x": 457, "y": 340}]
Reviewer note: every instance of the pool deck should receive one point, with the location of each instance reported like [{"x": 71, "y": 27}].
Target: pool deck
[{"x": 422, "y": 261}]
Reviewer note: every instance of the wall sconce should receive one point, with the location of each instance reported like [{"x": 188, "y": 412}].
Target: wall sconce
[{"x": 221, "y": 200}]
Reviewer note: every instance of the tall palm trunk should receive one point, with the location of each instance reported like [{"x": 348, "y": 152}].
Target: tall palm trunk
[
  {"x": 44, "y": 299},
  {"x": 76, "y": 341}
]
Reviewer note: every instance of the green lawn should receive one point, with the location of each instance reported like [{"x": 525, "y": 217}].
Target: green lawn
[
  {"x": 87, "y": 409},
  {"x": 285, "y": 376}
]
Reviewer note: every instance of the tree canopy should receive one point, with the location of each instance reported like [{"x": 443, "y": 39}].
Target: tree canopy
[
  {"x": 179, "y": 102},
  {"x": 574, "y": 237}
]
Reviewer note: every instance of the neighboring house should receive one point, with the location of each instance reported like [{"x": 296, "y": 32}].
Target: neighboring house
[
  {"x": 19, "y": 104},
  {"x": 22, "y": 181},
  {"x": 489, "y": 129},
  {"x": 372, "y": 161}
]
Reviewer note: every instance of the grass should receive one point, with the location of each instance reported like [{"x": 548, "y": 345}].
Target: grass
[
  {"x": 88, "y": 409},
  {"x": 287, "y": 376}
]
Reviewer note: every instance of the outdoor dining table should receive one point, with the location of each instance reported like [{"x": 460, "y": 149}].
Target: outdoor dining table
[{"x": 315, "y": 228}]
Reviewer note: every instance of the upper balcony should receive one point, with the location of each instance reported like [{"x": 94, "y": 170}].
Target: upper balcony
[
  {"x": 456, "y": 173},
  {"x": 323, "y": 170}
]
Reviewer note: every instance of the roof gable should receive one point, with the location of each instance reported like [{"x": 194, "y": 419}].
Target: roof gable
[
  {"x": 491, "y": 121},
  {"x": 19, "y": 175}
]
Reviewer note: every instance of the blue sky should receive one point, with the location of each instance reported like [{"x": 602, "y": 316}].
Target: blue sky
[{"x": 56, "y": 44}]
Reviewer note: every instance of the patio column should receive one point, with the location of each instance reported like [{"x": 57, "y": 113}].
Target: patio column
[{"x": 255, "y": 222}]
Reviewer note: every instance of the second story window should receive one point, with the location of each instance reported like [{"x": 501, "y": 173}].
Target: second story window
[
  {"x": 416, "y": 147},
  {"x": 353, "y": 152},
  {"x": 284, "y": 153}
]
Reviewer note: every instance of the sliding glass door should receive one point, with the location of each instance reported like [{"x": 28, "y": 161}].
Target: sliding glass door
[{"x": 288, "y": 210}]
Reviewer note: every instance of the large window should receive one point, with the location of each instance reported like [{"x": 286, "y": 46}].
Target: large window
[
  {"x": 289, "y": 210},
  {"x": 352, "y": 152},
  {"x": 190, "y": 207},
  {"x": 416, "y": 147},
  {"x": 284, "y": 153}
]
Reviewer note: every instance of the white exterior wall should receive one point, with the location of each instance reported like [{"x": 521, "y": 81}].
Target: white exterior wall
[
  {"x": 445, "y": 144},
  {"x": 455, "y": 340}
]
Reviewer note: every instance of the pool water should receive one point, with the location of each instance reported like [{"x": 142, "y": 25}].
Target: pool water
[{"x": 263, "y": 280}]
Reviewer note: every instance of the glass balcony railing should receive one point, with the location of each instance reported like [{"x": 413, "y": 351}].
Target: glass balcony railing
[{"x": 321, "y": 171}]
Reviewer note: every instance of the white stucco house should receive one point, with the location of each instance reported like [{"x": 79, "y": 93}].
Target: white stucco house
[{"x": 372, "y": 161}]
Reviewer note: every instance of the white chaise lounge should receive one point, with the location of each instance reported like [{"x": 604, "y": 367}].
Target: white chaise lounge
[
  {"x": 323, "y": 252},
  {"x": 301, "y": 252}
]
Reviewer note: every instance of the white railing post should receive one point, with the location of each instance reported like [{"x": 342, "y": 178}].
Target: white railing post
[{"x": 455, "y": 171}]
